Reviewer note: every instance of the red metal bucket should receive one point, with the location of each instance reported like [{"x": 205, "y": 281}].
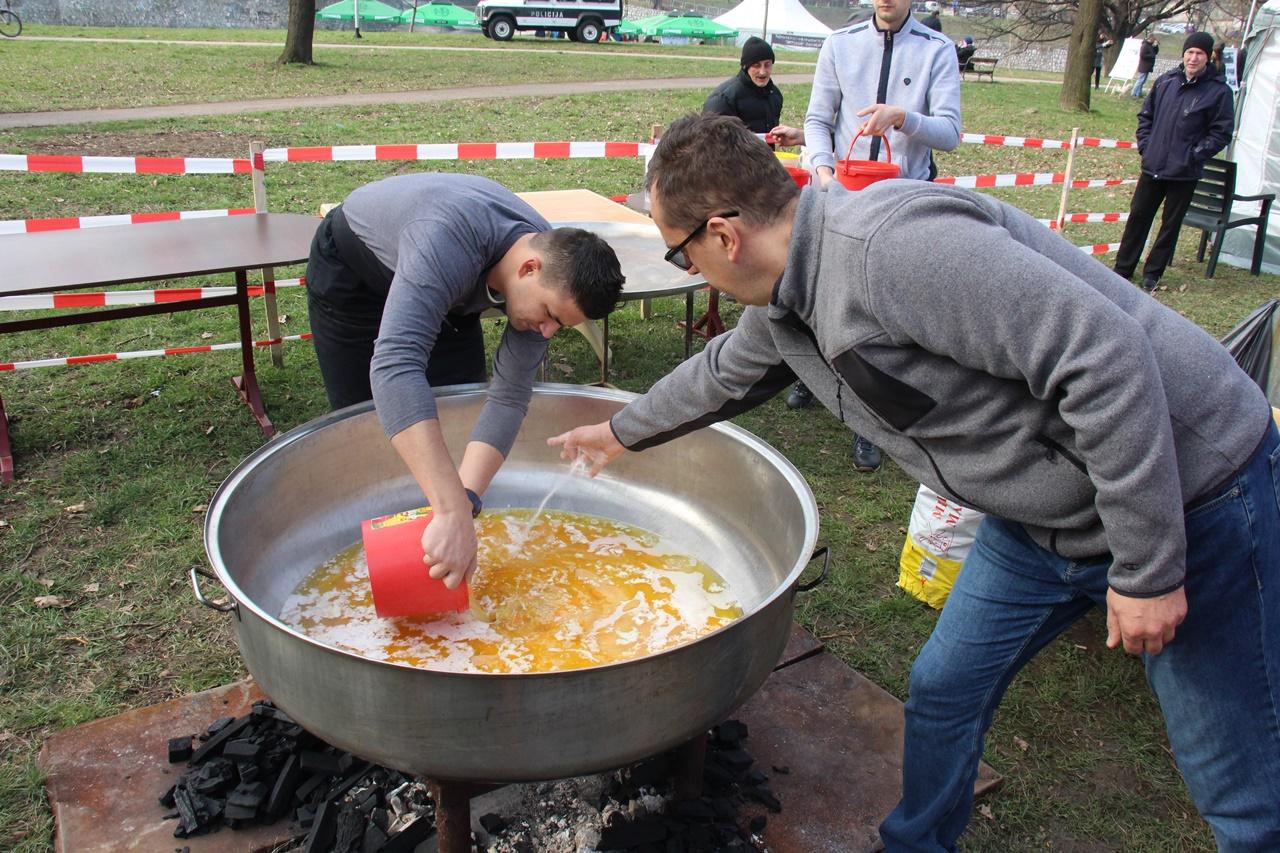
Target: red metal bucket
[
  {"x": 859, "y": 174},
  {"x": 398, "y": 578}
]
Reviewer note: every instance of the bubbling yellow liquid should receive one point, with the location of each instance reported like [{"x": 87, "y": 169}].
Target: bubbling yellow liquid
[{"x": 565, "y": 592}]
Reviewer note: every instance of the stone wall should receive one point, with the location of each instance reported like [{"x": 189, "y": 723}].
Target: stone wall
[{"x": 259, "y": 14}]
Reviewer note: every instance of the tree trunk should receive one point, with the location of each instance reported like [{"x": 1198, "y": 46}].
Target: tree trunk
[
  {"x": 1076, "y": 80},
  {"x": 302, "y": 26}
]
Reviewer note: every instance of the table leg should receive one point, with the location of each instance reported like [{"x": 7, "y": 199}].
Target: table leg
[
  {"x": 273, "y": 314},
  {"x": 247, "y": 382},
  {"x": 688, "y": 325},
  {"x": 6, "y": 453},
  {"x": 604, "y": 352}
]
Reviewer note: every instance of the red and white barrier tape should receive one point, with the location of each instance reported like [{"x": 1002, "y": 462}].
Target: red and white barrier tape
[
  {"x": 123, "y": 165},
  {"x": 101, "y": 298},
  {"x": 458, "y": 151},
  {"x": 1086, "y": 217},
  {"x": 1099, "y": 248},
  {"x": 1035, "y": 142},
  {"x": 31, "y": 226},
  {"x": 146, "y": 353},
  {"x": 1027, "y": 179}
]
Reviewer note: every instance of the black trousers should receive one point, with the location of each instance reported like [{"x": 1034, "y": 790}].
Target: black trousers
[
  {"x": 1147, "y": 197},
  {"x": 346, "y": 292}
]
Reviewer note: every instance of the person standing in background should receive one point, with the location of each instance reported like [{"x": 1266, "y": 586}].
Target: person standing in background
[
  {"x": 1103, "y": 44},
  {"x": 931, "y": 20},
  {"x": 1146, "y": 64},
  {"x": 750, "y": 95}
]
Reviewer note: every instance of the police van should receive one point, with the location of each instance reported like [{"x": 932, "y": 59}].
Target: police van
[{"x": 581, "y": 20}]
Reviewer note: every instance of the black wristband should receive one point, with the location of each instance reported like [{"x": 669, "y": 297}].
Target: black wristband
[{"x": 476, "y": 503}]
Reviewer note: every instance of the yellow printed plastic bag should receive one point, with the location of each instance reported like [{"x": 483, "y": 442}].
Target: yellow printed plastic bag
[{"x": 937, "y": 542}]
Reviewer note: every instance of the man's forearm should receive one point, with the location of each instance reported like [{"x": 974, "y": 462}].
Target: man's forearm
[{"x": 421, "y": 446}]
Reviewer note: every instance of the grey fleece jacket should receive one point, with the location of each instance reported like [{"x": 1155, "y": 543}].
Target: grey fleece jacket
[
  {"x": 914, "y": 68},
  {"x": 1002, "y": 368}
]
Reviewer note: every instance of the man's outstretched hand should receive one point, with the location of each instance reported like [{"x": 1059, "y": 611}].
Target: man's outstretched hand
[{"x": 597, "y": 442}]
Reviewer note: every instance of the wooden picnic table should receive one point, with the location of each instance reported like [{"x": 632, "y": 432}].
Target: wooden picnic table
[{"x": 55, "y": 261}]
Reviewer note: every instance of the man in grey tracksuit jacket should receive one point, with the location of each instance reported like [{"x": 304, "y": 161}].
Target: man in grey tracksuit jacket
[{"x": 1123, "y": 457}]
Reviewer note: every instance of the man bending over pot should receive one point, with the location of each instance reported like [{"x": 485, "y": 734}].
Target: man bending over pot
[
  {"x": 398, "y": 276},
  {"x": 1122, "y": 457}
]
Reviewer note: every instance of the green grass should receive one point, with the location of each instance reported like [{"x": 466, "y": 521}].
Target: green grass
[{"x": 143, "y": 444}]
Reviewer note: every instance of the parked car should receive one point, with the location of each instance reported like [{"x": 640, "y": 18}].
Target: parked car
[{"x": 580, "y": 20}]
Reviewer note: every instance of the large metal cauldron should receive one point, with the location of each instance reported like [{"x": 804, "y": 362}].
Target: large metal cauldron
[{"x": 720, "y": 494}]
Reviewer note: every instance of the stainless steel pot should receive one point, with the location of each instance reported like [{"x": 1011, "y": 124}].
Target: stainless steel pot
[{"x": 720, "y": 494}]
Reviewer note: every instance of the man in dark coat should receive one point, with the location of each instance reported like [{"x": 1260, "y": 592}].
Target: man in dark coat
[
  {"x": 1186, "y": 119},
  {"x": 750, "y": 95},
  {"x": 1146, "y": 63}
]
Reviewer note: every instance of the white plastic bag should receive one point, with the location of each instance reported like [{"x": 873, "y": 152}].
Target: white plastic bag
[{"x": 938, "y": 540}]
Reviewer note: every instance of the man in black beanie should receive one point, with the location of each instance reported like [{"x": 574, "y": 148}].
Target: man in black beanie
[
  {"x": 750, "y": 94},
  {"x": 1186, "y": 119}
]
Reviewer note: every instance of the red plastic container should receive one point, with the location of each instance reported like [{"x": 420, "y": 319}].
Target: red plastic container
[
  {"x": 800, "y": 176},
  {"x": 398, "y": 578},
  {"x": 860, "y": 174}
]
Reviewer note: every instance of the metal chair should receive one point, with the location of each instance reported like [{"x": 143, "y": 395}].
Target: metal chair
[{"x": 1210, "y": 211}]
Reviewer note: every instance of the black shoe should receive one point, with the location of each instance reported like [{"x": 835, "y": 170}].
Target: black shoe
[
  {"x": 866, "y": 456},
  {"x": 799, "y": 397},
  {"x": 1150, "y": 283}
]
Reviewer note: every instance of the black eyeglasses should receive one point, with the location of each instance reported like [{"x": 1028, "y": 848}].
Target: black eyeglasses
[{"x": 677, "y": 255}]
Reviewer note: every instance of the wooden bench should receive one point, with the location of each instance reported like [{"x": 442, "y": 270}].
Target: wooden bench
[
  {"x": 980, "y": 65},
  {"x": 1210, "y": 211}
]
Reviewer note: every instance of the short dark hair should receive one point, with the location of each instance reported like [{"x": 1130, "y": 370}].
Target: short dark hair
[
  {"x": 706, "y": 164},
  {"x": 582, "y": 263}
]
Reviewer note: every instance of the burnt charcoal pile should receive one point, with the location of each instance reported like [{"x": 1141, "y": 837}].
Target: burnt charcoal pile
[
  {"x": 263, "y": 767},
  {"x": 635, "y": 809}
]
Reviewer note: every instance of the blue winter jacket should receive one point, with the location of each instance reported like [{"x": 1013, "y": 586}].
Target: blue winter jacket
[{"x": 1184, "y": 123}]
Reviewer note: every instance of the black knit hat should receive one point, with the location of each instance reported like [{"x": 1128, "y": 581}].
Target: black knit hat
[
  {"x": 756, "y": 49},
  {"x": 1200, "y": 41}
]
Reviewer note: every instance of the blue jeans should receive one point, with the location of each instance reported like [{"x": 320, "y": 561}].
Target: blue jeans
[
  {"x": 1218, "y": 682},
  {"x": 1138, "y": 83}
]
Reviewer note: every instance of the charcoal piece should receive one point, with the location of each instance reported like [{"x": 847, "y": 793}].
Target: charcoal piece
[
  {"x": 166, "y": 799},
  {"x": 493, "y": 823},
  {"x": 736, "y": 761},
  {"x": 676, "y": 844},
  {"x": 646, "y": 830},
  {"x": 700, "y": 837},
  {"x": 716, "y": 776},
  {"x": 239, "y": 813},
  {"x": 250, "y": 771},
  {"x": 309, "y": 786},
  {"x": 266, "y": 710},
  {"x": 282, "y": 791},
  {"x": 217, "y": 726},
  {"x": 348, "y": 833},
  {"x": 693, "y": 810},
  {"x": 381, "y": 818},
  {"x": 188, "y": 822},
  {"x": 213, "y": 746},
  {"x": 241, "y": 750},
  {"x": 726, "y": 811},
  {"x": 758, "y": 823},
  {"x": 755, "y": 777},
  {"x": 357, "y": 773},
  {"x": 179, "y": 749},
  {"x": 323, "y": 828},
  {"x": 650, "y": 773},
  {"x": 731, "y": 732},
  {"x": 214, "y": 777},
  {"x": 374, "y": 839},
  {"x": 765, "y": 797},
  {"x": 783, "y": 769},
  {"x": 304, "y": 816},
  {"x": 252, "y": 794},
  {"x": 321, "y": 762},
  {"x": 293, "y": 731},
  {"x": 411, "y": 836}
]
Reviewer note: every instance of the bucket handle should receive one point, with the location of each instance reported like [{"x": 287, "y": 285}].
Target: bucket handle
[
  {"x": 888, "y": 152},
  {"x": 825, "y": 553},
  {"x": 196, "y": 573}
]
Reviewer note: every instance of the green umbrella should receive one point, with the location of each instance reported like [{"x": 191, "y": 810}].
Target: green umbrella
[
  {"x": 440, "y": 15},
  {"x": 370, "y": 11},
  {"x": 641, "y": 26},
  {"x": 691, "y": 26}
]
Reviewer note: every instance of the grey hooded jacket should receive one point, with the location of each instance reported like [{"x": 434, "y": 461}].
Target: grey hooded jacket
[{"x": 996, "y": 363}]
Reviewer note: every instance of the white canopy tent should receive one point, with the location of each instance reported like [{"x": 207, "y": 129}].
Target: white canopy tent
[
  {"x": 1256, "y": 148},
  {"x": 789, "y": 24}
]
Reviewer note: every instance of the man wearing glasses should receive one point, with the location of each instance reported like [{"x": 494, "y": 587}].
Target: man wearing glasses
[{"x": 1122, "y": 457}]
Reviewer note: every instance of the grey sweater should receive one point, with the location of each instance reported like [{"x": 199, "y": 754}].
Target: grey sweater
[
  {"x": 441, "y": 234},
  {"x": 919, "y": 72},
  {"x": 1001, "y": 367}
]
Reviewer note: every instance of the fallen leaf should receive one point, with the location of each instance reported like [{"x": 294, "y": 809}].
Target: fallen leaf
[
  {"x": 134, "y": 402},
  {"x": 47, "y": 583},
  {"x": 872, "y": 547},
  {"x": 204, "y": 336},
  {"x": 46, "y": 601},
  {"x": 283, "y": 318},
  {"x": 209, "y": 430},
  {"x": 91, "y": 587},
  {"x": 1020, "y": 743},
  {"x": 221, "y": 601},
  {"x": 74, "y": 508},
  {"x": 3, "y": 523},
  {"x": 200, "y": 508},
  {"x": 69, "y": 638},
  {"x": 985, "y": 811}
]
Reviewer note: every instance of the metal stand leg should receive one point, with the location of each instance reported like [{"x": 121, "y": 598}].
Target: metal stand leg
[
  {"x": 688, "y": 325},
  {"x": 604, "y": 352},
  {"x": 247, "y": 382},
  {"x": 6, "y": 452},
  {"x": 690, "y": 760},
  {"x": 709, "y": 324},
  {"x": 453, "y": 813}
]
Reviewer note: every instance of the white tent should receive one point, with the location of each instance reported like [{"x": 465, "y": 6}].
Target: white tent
[
  {"x": 1256, "y": 149},
  {"x": 789, "y": 24}
]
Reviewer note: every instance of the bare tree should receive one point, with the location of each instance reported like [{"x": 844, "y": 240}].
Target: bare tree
[
  {"x": 1047, "y": 21},
  {"x": 302, "y": 27},
  {"x": 1081, "y": 47}
]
